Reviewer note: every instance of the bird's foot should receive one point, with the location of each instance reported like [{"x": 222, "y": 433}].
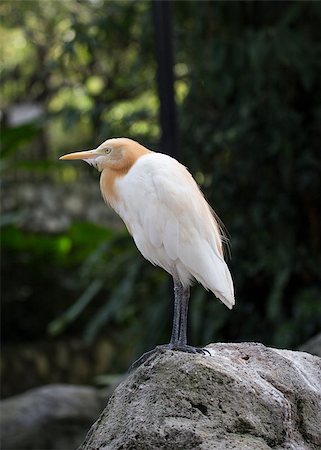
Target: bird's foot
[
  {"x": 161, "y": 348},
  {"x": 183, "y": 348}
]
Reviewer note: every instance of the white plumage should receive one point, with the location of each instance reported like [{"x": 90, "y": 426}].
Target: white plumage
[{"x": 172, "y": 224}]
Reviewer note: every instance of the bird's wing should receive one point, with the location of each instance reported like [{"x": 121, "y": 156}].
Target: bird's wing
[{"x": 172, "y": 224}]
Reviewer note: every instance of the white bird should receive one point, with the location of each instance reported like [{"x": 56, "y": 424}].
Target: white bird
[{"x": 169, "y": 219}]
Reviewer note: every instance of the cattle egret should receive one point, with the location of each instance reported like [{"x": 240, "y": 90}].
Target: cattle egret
[{"x": 171, "y": 223}]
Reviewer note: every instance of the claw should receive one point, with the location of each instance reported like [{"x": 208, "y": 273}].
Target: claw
[
  {"x": 205, "y": 350},
  {"x": 142, "y": 359}
]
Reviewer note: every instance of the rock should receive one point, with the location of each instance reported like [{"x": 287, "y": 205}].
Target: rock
[
  {"x": 52, "y": 417},
  {"x": 49, "y": 361},
  {"x": 242, "y": 396}
]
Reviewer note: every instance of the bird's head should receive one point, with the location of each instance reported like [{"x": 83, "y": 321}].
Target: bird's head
[{"x": 117, "y": 154}]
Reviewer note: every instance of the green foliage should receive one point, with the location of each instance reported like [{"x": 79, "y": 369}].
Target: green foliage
[
  {"x": 249, "y": 106},
  {"x": 71, "y": 247},
  {"x": 114, "y": 271},
  {"x": 90, "y": 64},
  {"x": 86, "y": 265},
  {"x": 12, "y": 138},
  {"x": 253, "y": 113}
]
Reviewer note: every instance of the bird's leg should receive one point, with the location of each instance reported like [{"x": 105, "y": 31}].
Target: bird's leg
[
  {"x": 184, "y": 300},
  {"x": 179, "y": 334},
  {"x": 178, "y": 339},
  {"x": 177, "y": 313},
  {"x": 174, "y": 341}
]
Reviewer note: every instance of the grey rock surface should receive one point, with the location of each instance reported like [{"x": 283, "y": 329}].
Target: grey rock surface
[
  {"x": 51, "y": 417},
  {"x": 242, "y": 396}
]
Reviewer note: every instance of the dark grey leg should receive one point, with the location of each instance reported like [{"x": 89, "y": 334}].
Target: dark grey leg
[
  {"x": 179, "y": 334},
  {"x": 184, "y": 300},
  {"x": 175, "y": 337}
]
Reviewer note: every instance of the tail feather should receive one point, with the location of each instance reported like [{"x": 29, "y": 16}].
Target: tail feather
[{"x": 228, "y": 301}]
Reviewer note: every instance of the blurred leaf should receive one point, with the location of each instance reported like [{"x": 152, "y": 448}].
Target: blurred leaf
[
  {"x": 108, "y": 380},
  {"x": 13, "y": 138},
  {"x": 274, "y": 304},
  {"x": 120, "y": 296},
  {"x": 57, "y": 326}
]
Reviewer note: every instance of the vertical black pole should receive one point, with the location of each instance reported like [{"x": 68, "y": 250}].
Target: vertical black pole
[
  {"x": 165, "y": 78},
  {"x": 164, "y": 54}
]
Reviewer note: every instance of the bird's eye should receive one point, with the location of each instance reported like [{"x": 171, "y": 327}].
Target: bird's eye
[{"x": 107, "y": 150}]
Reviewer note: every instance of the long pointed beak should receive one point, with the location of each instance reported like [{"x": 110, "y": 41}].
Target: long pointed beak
[{"x": 87, "y": 154}]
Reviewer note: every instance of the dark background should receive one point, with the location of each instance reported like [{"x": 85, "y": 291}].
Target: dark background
[{"x": 78, "y": 300}]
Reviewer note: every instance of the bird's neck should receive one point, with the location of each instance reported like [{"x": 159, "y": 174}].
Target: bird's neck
[
  {"x": 108, "y": 178},
  {"x": 111, "y": 173}
]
